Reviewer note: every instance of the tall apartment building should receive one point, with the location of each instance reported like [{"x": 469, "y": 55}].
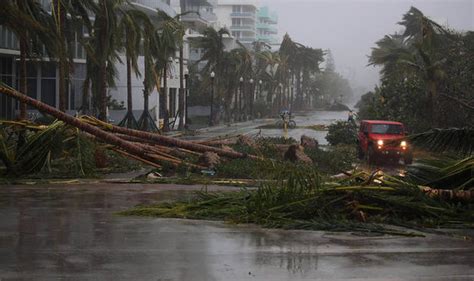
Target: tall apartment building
[
  {"x": 267, "y": 26},
  {"x": 240, "y": 18}
]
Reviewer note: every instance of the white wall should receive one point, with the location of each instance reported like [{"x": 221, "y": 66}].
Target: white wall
[{"x": 223, "y": 16}]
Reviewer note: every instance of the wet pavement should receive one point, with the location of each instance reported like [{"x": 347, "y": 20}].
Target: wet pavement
[
  {"x": 252, "y": 127},
  {"x": 71, "y": 233}
]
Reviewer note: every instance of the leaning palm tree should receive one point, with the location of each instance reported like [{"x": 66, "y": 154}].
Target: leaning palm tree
[
  {"x": 212, "y": 44},
  {"x": 102, "y": 49},
  {"x": 246, "y": 70},
  {"x": 150, "y": 78},
  {"x": 130, "y": 26},
  {"x": 168, "y": 36},
  {"x": 415, "y": 53}
]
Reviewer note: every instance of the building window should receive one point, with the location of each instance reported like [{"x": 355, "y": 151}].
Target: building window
[
  {"x": 172, "y": 102},
  {"x": 6, "y": 76},
  {"x": 48, "y": 83},
  {"x": 236, "y": 9}
]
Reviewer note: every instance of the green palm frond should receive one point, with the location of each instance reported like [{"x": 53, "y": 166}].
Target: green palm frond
[
  {"x": 458, "y": 140},
  {"x": 446, "y": 173}
]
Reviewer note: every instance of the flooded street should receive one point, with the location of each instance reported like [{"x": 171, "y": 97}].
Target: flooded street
[
  {"x": 253, "y": 127},
  {"x": 71, "y": 233}
]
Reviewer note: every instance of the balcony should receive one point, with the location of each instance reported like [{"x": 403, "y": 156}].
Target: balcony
[
  {"x": 247, "y": 39},
  {"x": 267, "y": 39},
  {"x": 249, "y": 15},
  {"x": 199, "y": 20},
  {"x": 152, "y": 5},
  {"x": 243, "y": 28}
]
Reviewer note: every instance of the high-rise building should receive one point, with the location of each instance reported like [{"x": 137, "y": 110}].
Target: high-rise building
[
  {"x": 240, "y": 18},
  {"x": 267, "y": 26}
]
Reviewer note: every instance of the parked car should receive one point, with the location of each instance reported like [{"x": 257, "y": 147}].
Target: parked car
[{"x": 383, "y": 140}]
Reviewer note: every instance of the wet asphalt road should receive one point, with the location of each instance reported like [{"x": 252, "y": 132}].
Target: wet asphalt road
[
  {"x": 252, "y": 127},
  {"x": 71, "y": 233}
]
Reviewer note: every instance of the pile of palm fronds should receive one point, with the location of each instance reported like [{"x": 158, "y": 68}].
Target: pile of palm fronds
[
  {"x": 27, "y": 148},
  {"x": 301, "y": 199},
  {"x": 446, "y": 173}
]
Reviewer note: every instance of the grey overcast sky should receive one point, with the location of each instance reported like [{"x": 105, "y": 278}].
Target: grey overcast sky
[{"x": 350, "y": 27}]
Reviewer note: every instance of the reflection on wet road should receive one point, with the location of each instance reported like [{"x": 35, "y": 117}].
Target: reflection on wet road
[
  {"x": 302, "y": 120},
  {"x": 71, "y": 233}
]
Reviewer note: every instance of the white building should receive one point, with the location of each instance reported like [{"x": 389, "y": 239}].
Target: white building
[{"x": 240, "y": 18}]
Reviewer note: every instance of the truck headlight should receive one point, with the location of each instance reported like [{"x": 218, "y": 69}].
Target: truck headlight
[
  {"x": 379, "y": 144},
  {"x": 403, "y": 144}
]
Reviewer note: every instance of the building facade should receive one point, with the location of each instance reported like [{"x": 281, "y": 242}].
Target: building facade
[
  {"x": 267, "y": 30},
  {"x": 240, "y": 18},
  {"x": 42, "y": 75}
]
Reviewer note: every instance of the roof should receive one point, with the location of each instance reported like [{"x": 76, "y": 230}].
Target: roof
[{"x": 381, "y": 122}]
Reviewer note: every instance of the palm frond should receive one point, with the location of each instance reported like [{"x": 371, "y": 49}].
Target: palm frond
[{"x": 458, "y": 140}]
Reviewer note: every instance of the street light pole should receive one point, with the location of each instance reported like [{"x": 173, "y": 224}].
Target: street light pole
[
  {"x": 186, "y": 94},
  {"x": 251, "y": 97},
  {"x": 260, "y": 97},
  {"x": 280, "y": 100},
  {"x": 241, "y": 82},
  {"x": 211, "y": 116}
]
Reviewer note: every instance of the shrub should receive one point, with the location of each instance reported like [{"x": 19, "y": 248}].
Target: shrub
[{"x": 342, "y": 132}]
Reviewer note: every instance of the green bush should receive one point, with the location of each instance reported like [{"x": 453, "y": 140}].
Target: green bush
[
  {"x": 342, "y": 132},
  {"x": 335, "y": 160}
]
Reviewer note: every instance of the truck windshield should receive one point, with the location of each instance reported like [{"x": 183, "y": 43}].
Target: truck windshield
[{"x": 387, "y": 129}]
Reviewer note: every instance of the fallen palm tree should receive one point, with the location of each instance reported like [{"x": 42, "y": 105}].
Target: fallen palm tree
[
  {"x": 127, "y": 140},
  {"x": 163, "y": 140}
]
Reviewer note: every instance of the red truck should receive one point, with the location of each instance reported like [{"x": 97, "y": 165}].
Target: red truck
[{"x": 383, "y": 140}]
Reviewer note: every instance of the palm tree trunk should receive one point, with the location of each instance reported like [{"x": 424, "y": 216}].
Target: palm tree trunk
[
  {"x": 145, "y": 108},
  {"x": 181, "y": 89},
  {"x": 61, "y": 20},
  {"x": 86, "y": 96},
  {"x": 110, "y": 138},
  {"x": 129, "y": 86},
  {"x": 62, "y": 85},
  {"x": 23, "y": 81},
  {"x": 166, "y": 113},
  {"x": 103, "y": 93},
  {"x": 433, "y": 104}
]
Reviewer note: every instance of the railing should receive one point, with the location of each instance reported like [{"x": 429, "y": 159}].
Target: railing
[
  {"x": 247, "y": 39},
  {"x": 244, "y": 14},
  {"x": 243, "y": 28}
]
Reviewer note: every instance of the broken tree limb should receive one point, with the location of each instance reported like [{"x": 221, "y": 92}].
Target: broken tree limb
[{"x": 164, "y": 140}]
